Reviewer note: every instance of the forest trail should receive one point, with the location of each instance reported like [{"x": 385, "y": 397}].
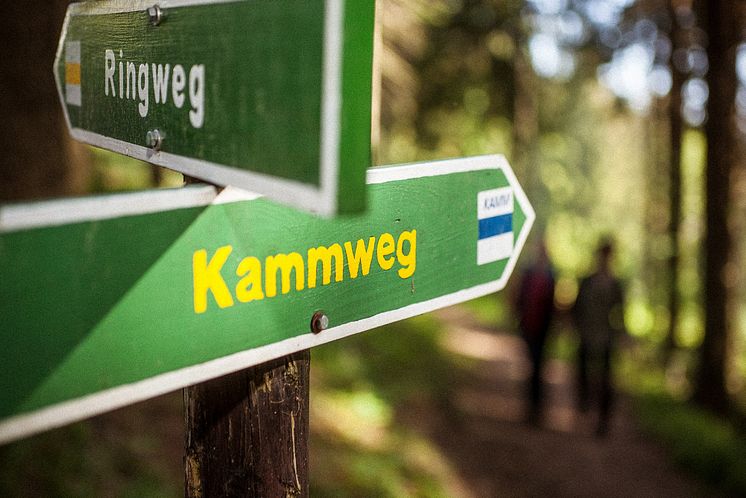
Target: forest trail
[{"x": 496, "y": 454}]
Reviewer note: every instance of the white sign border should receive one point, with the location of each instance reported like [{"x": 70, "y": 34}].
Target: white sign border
[
  {"x": 321, "y": 199},
  {"x": 60, "y": 414}
]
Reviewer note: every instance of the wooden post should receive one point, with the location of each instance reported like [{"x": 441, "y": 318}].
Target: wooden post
[{"x": 247, "y": 432}]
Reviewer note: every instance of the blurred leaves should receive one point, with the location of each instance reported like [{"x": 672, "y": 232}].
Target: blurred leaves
[
  {"x": 363, "y": 390},
  {"x": 699, "y": 441}
]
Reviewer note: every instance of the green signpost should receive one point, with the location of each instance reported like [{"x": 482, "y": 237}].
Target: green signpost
[
  {"x": 111, "y": 300},
  {"x": 270, "y": 96}
]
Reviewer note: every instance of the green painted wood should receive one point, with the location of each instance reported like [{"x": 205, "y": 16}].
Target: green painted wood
[
  {"x": 92, "y": 306},
  {"x": 272, "y": 96}
]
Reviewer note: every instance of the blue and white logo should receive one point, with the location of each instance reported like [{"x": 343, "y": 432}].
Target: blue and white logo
[{"x": 495, "y": 217}]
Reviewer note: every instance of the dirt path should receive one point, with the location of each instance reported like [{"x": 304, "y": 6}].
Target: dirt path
[{"x": 496, "y": 454}]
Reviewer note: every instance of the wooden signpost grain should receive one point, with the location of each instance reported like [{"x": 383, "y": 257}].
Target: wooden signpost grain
[{"x": 247, "y": 432}]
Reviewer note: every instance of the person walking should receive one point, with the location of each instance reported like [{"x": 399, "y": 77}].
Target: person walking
[
  {"x": 534, "y": 308},
  {"x": 598, "y": 314}
]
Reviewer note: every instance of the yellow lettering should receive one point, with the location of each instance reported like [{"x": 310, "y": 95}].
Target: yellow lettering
[
  {"x": 259, "y": 278},
  {"x": 249, "y": 288},
  {"x": 385, "y": 248},
  {"x": 407, "y": 261},
  {"x": 285, "y": 263},
  {"x": 325, "y": 255},
  {"x": 207, "y": 277},
  {"x": 362, "y": 255}
]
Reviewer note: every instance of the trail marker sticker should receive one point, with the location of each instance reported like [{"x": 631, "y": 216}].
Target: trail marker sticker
[
  {"x": 495, "y": 215},
  {"x": 72, "y": 73},
  {"x": 271, "y": 96},
  {"x": 111, "y": 300}
]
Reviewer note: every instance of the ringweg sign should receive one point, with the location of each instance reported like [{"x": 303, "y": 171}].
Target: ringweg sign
[
  {"x": 270, "y": 96},
  {"x": 115, "y": 299}
]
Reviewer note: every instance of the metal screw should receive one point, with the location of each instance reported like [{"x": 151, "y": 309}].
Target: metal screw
[
  {"x": 319, "y": 322},
  {"x": 154, "y": 140},
  {"x": 155, "y": 14}
]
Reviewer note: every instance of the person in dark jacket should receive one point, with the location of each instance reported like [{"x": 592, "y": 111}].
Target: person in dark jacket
[
  {"x": 598, "y": 314},
  {"x": 534, "y": 308}
]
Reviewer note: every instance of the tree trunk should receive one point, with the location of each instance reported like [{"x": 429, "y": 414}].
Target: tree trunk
[
  {"x": 247, "y": 432},
  {"x": 675, "y": 129},
  {"x": 655, "y": 221},
  {"x": 39, "y": 158},
  {"x": 721, "y": 27},
  {"x": 525, "y": 119}
]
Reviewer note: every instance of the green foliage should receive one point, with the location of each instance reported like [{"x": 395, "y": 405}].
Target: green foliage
[
  {"x": 114, "y": 172},
  {"x": 405, "y": 466},
  {"x": 382, "y": 360},
  {"x": 562, "y": 346},
  {"x": 362, "y": 390},
  {"x": 699, "y": 441},
  {"x": 62, "y": 455},
  {"x": 91, "y": 459},
  {"x": 491, "y": 311}
]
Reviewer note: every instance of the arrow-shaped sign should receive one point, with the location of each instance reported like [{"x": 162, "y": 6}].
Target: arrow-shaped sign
[
  {"x": 111, "y": 300},
  {"x": 272, "y": 96}
]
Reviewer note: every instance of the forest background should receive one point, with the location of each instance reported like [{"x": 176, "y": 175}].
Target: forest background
[{"x": 620, "y": 117}]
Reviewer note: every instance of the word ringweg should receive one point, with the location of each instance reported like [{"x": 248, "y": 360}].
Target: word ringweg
[{"x": 133, "y": 81}]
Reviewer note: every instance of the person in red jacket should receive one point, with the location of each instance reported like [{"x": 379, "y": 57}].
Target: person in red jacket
[{"x": 535, "y": 308}]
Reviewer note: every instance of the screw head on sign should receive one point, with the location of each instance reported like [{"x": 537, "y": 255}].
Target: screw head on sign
[
  {"x": 154, "y": 140},
  {"x": 319, "y": 322},
  {"x": 155, "y": 14}
]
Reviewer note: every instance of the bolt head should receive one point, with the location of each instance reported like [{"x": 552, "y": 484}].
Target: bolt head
[
  {"x": 319, "y": 322},
  {"x": 154, "y": 139},
  {"x": 155, "y": 14}
]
